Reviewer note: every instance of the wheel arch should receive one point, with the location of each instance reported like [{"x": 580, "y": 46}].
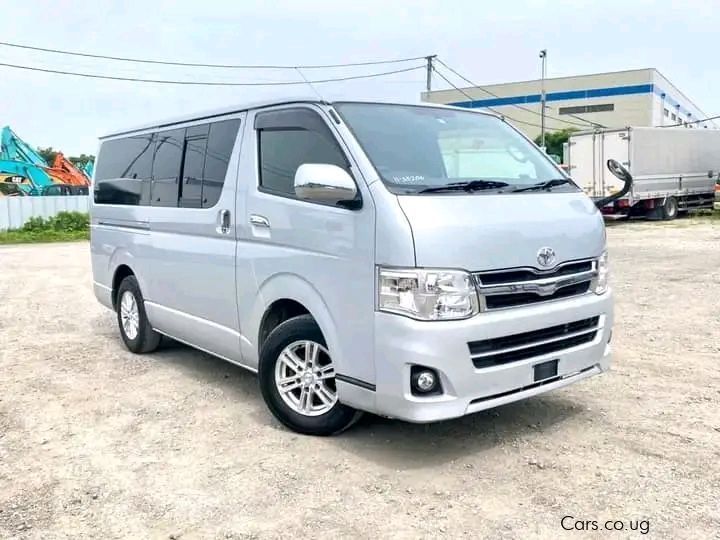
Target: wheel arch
[
  {"x": 121, "y": 272},
  {"x": 294, "y": 295},
  {"x": 120, "y": 265}
]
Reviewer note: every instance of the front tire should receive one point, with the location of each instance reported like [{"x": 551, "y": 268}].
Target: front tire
[
  {"x": 135, "y": 329},
  {"x": 297, "y": 380}
]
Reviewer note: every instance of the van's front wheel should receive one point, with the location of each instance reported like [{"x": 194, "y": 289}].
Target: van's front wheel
[{"x": 297, "y": 379}]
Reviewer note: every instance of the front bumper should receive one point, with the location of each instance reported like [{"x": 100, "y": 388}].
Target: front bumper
[{"x": 401, "y": 342}]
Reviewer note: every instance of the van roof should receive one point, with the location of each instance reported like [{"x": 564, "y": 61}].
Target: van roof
[{"x": 203, "y": 115}]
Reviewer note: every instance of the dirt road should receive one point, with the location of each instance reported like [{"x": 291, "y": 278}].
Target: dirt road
[{"x": 96, "y": 442}]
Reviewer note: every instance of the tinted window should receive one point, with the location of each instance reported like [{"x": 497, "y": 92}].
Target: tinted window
[
  {"x": 147, "y": 169},
  {"x": 193, "y": 165},
  {"x": 166, "y": 167},
  {"x": 124, "y": 167},
  {"x": 220, "y": 143},
  {"x": 282, "y": 151}
]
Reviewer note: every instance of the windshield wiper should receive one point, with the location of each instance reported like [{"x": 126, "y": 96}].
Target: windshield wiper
[
  {"x": 472, "y": 185},
  {"x": 544, "y": 185}
]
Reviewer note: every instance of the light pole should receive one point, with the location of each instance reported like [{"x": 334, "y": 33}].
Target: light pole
[{"x": 543, "y": 59}]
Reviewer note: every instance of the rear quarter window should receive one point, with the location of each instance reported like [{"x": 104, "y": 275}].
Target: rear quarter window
[{"x": 123, "y": 170}]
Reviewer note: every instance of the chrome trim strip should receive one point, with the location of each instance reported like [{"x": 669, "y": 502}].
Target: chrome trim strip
[
  {"x": 542, "y": 287},
  {"x": 102, "y": 286},
  {"x": 536, "y": 343},
  {"x": 545, "y": 285},
  {"x": 534, "y": 270}
]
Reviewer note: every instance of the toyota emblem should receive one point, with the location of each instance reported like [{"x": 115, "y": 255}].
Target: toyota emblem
[{"x": 546, "y": 256}]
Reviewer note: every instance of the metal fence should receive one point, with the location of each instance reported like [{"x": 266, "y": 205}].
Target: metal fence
[{"x": 15, "y": 211}]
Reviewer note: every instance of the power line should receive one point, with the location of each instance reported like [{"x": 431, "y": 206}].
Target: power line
[
  {"x": 592, "y": 124},
  {"x": 194, "y": 64},
  {"x": 514, "y": 105},
  {"x": 212, "y": 83},
  {"x": 443, "y": 77}
]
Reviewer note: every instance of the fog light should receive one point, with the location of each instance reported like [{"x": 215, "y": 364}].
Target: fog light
[{"x": 424, "y": 381}]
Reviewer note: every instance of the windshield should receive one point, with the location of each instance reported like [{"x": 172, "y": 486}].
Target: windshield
[{"x": 431, "y": 149}]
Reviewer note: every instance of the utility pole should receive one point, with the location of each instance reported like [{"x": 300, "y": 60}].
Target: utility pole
[
  {"x": 428, "y": 82},
  {"x": 543, "y": 59}
]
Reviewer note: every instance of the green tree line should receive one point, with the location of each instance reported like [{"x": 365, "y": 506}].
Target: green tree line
[{"x": 554, "y": 141}]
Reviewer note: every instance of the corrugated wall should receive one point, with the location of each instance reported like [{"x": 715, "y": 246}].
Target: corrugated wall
[{"x": 15, "y": 211}]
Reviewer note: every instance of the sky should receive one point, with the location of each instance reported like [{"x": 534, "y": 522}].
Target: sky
[{"x": 487, "y": 41}]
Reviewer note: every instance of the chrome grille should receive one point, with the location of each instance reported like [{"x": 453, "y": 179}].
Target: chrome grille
[
  {"x": 513, "y": 287},
  {"x": 502, "y": 350}
]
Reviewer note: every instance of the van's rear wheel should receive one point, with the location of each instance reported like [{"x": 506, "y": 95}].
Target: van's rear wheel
[
  {"x": 135, "y": 329},
  {"x": 297, "y": 379}
]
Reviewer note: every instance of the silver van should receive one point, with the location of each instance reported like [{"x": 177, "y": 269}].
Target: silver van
[{"x": 417, "y": 262}]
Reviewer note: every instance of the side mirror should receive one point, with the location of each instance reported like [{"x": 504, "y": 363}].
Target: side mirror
[
  {"x": 623, "y": 174},
  {"x": 326, "y": 184}
]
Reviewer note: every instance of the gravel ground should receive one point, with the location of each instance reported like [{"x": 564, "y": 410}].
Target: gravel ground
[{"x": 96, "y": 442}]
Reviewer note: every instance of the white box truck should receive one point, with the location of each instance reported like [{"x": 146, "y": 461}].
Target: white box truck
[{"x": 674, "y": 169}]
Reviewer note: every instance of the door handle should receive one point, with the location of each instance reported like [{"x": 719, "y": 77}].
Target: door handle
[
  {"x": 259, "y": 221},
  {"x": 223, "y": 222}
]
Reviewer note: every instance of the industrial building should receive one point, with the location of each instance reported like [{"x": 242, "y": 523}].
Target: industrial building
[{"x": 640, "y": 97}]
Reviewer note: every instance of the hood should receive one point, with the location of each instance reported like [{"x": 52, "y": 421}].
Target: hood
[{"x": 490, "y": 232}]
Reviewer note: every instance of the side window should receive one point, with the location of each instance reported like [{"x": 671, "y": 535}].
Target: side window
[
  {"x": 165, "y": 188},
  {"x": 124, "y": 168},
  {"x": 179, "y": 167},
  {"x": 193, "y": 164},
  {"x": 289, "y": 138},
  {"x": 220, "y": 143}
]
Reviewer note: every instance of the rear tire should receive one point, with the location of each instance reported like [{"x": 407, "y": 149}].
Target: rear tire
[
  {"x": 297, "y": 380},
  {"x": 135, "y": 329},
  {"x": 670, "y": 209}
]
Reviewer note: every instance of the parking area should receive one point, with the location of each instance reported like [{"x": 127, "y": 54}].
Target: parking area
[{"x": 98, "y": 442}]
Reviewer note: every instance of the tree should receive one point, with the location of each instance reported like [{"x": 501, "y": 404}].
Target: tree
[
  {"x": 48, "y": 154},
  {"x": 81, "y": 160},
  {"x": 554, "y": 140}
]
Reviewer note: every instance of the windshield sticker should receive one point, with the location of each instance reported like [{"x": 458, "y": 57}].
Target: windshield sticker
[{"x": 408, "y": 179}]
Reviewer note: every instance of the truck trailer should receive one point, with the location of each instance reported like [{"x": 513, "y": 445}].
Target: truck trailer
[{"x": 674, "y": 169}]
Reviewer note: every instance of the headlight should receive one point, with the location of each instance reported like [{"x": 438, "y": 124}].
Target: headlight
[
  {"x": 601, "y": 282},
  {"x": 427, "y": 295}
]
